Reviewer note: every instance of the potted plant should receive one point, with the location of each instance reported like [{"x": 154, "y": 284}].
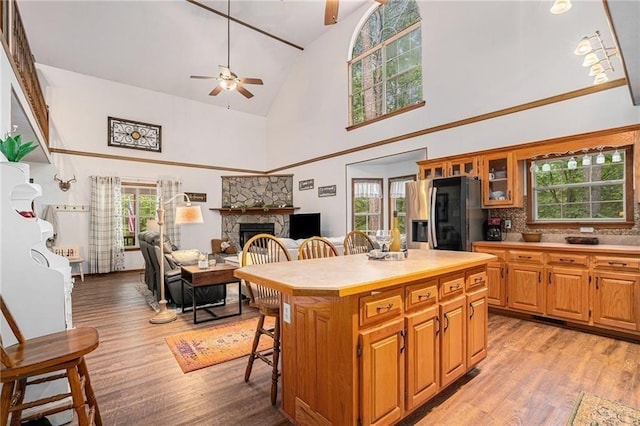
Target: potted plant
[{"x": 14, "y": 149}]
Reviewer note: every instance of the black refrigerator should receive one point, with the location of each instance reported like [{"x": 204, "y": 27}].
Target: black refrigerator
[{"x": 446, "y": 213}]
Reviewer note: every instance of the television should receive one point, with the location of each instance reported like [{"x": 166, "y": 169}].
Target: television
[{"x": 304, "y": 225}]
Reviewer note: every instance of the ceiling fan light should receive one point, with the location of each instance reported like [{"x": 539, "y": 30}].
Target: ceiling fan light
[
  {"x": 560, "y": 6},
  {"x": 584, "y": 46},
  {"x": 228, "y": 84},
  {"x": 596, "y": 69},
  {"x": 600, "y": 78},
  {"x": 590, "y": 59}
]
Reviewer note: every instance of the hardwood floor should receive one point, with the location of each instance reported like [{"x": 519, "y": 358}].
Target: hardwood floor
[{"x": 532, "y": 375}]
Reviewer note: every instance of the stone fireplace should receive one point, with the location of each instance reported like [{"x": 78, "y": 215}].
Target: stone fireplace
[
  {"x": 248, "y": 230},
  {"x": 263, "y": 202}
]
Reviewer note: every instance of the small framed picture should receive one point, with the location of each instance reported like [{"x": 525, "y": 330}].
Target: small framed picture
[
  {"x": 303, "y": 185},
  {"x": 134, "y": 134},
  {"x": 327, "y": 191}
]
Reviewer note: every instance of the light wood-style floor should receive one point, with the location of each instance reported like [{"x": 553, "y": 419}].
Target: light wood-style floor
[{"x": 532, "y": 375}]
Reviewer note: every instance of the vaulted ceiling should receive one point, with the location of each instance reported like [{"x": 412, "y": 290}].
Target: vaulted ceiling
[{"x": 157, "y": 45}]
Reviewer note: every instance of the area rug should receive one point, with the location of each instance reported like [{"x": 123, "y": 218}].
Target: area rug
[
  {"x": 203, "y": 348},
  {"x": 593, "y": 410}
]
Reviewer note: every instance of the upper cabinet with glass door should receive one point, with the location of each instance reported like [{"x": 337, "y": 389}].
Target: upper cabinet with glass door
[
  {"x": 501, "y": 181},
  {"x": 459, "y": 166}
]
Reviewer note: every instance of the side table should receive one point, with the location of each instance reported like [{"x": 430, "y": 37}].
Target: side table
[
  {"x": 219, "y": 274},
  {"x": 77, "y": 261}
]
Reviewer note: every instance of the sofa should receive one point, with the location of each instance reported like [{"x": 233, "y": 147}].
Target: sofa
[{"x": 173, "y": 259}]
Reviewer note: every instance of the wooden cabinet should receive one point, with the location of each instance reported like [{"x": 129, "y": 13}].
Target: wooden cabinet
[
  {"x": 496, "y": 277},
  {"x": 568, "y": 286},
  {"x": 457, "y": 166},
  {"x": 452, "y": 339},
  {"x": 422, "y": 356},
  {"x": 501, "y": 181},
  {"x": 477, "y": 327},
  {"x": 616, "y": 297},
  {"x": 382, "y": 374},
  {"x": 525, "y": 290}
]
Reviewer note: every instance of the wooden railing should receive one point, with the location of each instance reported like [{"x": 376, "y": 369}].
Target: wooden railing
[{"x": 23, "y": 63}]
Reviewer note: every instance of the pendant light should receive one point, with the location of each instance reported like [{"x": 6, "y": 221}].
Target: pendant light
[
  {"x": 600, "y": 158},
  {"x": 546, "y": 167},
  {"x": 572, "y": 164},
  {"x": 616, "y": 157},
  {"x": 586, "y": 160},
  {"x": 560, "y": 6}
]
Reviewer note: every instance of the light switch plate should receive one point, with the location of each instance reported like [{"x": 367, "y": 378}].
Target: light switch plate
[
  {"x": 286, "y": 313},
  {"x": 507, "y": 224},
  {"x": 586, "y": 229}
]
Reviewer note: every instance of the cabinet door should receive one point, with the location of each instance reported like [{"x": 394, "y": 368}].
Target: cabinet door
[
  {"x": 568, "y": 293},
  {"x": 496, "y": 279},
  {"x": 422, "y": 356},
  {"x": 524, "y": 288},
  {"x": 452, "y": 340},
  {"x": 500, "y": 181},
  {"x": 432, "y": 170},
  {"x": 616, "y": 301},
  {"x": 477, "y": 327},
  {"x": 382, "y": 374},
  {"x": 464, "y": 167}
]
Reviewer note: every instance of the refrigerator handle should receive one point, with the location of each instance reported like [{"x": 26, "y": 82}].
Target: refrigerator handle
[{"x": 433, "y": 242}]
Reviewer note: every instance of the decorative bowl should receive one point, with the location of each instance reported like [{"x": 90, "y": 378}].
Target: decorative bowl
[
  {"x": 496, "y": 195},
  {"x": 582, "y": 240},
  {"x": 532, "y": 237}
]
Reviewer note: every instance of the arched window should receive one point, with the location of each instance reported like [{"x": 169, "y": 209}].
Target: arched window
[{"x": 385, "y": 69}]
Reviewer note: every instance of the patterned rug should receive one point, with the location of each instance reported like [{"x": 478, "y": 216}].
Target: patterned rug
[
  {"x": 209, "y": 346},
  {"x": 592, "y": 410}
]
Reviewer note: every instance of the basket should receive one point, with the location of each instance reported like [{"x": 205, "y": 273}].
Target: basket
[{"x": 532, "y": 237}]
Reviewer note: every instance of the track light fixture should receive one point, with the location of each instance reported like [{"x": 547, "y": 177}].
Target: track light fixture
[
  {"x": 598, "y": 59},
  {"x": 544, "y": 162}
]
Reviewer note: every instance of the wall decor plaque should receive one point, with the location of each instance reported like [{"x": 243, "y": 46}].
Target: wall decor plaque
[
  {"x": 134, "y": 134},
  {"x": 303, "y": 185},
  {"x": 198, "y": 197},
  {"x": 327, "y": 191}
]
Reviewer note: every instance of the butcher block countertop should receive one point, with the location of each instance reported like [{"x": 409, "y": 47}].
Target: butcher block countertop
[
  {"x": 585, "y": 248},
  {"x": 347, "y": 275}
]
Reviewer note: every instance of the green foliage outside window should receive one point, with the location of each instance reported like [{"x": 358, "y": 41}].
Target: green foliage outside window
[
  {"x": 389, "y": 75},
  {"x": 139, "y": 204},
  {"x": 593, "y": 192}
]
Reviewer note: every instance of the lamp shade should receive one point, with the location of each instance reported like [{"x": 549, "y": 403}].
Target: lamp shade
[
  {"x": 560, "y": 6},
  {"x": 584, "y": 46},
  {"x": 600, "y": 78},
  {"x": 188, "y": 214},
  {"x": 228, "y": 84},
  {"x": 596, "y": 69},
  {"x": 590, "y": 59}
]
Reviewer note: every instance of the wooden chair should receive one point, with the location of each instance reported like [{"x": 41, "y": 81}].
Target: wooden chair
[
  {"x": 357, "y": 242},
  {"x": 61, "y": 352},
  {"x": 262, "y": 249},
  {"x": 316, "y": 247}
]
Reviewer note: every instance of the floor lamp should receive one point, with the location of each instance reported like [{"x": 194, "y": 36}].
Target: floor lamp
[{"x": 184, "y": 214}]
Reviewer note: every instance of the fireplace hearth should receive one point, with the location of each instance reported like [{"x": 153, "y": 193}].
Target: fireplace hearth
[{"x": 248, "y": 230}]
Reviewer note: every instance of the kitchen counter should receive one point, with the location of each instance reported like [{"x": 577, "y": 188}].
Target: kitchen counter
[
  {"x": 587, "y": 248},
  {"x": 369, "y": 341},
  {"x": 346, "y": 275}
]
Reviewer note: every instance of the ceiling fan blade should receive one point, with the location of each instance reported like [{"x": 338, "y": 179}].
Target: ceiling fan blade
[
  {"x": 331, "y": 12},
  {"x": 202, "y": 76},
  {"x": 215, "y": 91},
  {"x": 247, "y": 80},
  {"x": 244, "y": 92},
  {"x": 225, "y": 71}
]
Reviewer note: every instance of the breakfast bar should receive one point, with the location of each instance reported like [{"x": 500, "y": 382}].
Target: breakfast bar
[{"x": 369, "y": 341}]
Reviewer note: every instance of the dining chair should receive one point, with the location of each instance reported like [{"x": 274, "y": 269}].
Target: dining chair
[
  {"x": 356, "y": 242},
  {"x": 61, "y": 353},
  {"x": 263, "y": 249},
  {"x": 316, "y": 247}
]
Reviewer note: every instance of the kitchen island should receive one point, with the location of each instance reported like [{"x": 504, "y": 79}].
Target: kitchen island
[{"x": 369, "y": 341}]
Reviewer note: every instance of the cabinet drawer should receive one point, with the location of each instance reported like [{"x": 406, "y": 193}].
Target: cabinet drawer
[
  {"x": 421, "y": 294},
  {"x": 476, "y": 279},
  {"x": 619, "y": 263},
  {"x": 451, "y": 285},
  {"x": 380, "y": 306},
  {"x": 526, "y": 256},
  {"x": 568, "y": 259},
  {"x": 500, "y": 254}
]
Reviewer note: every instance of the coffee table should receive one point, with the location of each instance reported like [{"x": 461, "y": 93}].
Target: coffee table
[{"x": 219, "y": 274}]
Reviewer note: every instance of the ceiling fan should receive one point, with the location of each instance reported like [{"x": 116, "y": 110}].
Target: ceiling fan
[
  {"x": 331, "y": 11},
  {"x": 228, "y": 80}
]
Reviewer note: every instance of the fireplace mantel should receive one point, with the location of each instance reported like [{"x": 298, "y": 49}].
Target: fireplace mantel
[{"x": 226, "y": 211}]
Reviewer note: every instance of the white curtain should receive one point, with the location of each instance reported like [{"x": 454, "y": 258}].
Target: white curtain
[
  {"x": 397, "y": 189},
  {"x": 106, "y": 244},
  {"x": 367, "y": 190},
  {"x": 166, "y": 190}
]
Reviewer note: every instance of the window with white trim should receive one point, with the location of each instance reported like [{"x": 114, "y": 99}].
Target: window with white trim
[
  {"x": 385, "y": 69},
  {"x": 367, "y": 205},
  {"x": 581, "y": 188},
  {"x": 139, "y": 205}
]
